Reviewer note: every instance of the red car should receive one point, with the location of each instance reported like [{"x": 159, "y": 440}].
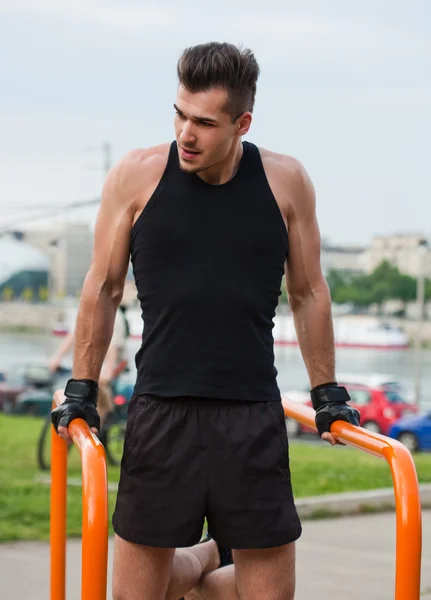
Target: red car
[{"x": 380, "y": 405}]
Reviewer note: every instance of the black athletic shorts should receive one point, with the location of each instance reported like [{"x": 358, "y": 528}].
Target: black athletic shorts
[{"x": 187, "y": 459}]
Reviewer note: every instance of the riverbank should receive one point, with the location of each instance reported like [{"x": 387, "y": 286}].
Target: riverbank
[{"x": 23, "y": 317}]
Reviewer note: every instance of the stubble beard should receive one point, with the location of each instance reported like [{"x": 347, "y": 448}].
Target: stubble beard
[{"x": 190, "y": 169}]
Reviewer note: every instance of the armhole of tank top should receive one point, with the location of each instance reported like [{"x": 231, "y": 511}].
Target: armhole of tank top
[
  {"x": 270, "y": 193},
  {"x": 155, "y": 195}
]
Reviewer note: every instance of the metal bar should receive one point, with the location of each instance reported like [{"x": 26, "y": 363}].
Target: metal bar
[
  {"x": 94, "y": 511},
  {"x": 58, "y": 517},
  {"x": 406, "y": 491}
]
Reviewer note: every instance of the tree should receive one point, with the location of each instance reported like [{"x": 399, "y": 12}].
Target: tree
[
  {"x": 384, "y": 283},
  {"x": 404, "y": 288},
  {"x": 336, "y": 280},
  {"x": 283, "y": 297}
]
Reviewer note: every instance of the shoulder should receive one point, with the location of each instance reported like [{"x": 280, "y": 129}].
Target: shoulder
[
  {"x": 288, "y": 179},
  {"x": 284, "y": 167},
  {"x": 137, "y": 171},
  {"x": 141, "y": 160}
]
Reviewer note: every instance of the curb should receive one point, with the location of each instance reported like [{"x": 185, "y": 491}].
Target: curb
[
  {"x": 351, "y": 503},
  {"x": 320, "y": 507}
]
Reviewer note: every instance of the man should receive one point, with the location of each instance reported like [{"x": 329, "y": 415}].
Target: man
[{"x": 206, "y": 221}]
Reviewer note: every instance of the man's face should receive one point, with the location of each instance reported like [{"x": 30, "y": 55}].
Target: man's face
[{"x": 204, "y": 133}]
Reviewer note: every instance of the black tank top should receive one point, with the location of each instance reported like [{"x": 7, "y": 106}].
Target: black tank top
[{"x": 208, "y": 262}]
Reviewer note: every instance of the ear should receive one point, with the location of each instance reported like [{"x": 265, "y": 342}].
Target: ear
[{"x": 244, "y": 122}]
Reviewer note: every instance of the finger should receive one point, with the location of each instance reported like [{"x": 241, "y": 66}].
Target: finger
[
  {"x": 332, "y": 440},
  {"x": 64, "y": 434},
  {"x": 327, "y": 437},
  {"x": 95, "y": 431}
]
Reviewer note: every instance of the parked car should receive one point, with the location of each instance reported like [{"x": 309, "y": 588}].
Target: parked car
[
  {"x": 20, "y": 380},
  {"x": 414, "y": 432},
  {"x": 379, "y": 380},
  {"x": 380, "y": 405},
  {"x": 37, "y": 401}
]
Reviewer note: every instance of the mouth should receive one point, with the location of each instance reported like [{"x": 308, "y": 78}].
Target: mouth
[{"x": 188, "y": 154}]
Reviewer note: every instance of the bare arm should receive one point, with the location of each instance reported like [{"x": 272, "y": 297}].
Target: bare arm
[
  {"x": 64, "y": 348},
  {"x": 104, "y": 284},
  {"x": 109, "y": 365},
  {"x": 307, "y": 289}
]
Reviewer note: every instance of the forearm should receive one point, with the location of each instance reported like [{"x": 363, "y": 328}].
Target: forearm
[
  {"x": 314, "y": 329},
  {"x": 64, "y": 348},
  {"x": 94, "y": 328}
]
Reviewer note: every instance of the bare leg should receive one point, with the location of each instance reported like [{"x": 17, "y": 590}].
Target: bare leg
[
  {"x": 145, "y": 573},
  {"x": 265, "y": 573},
  {"x": 217, "y": 585},
  {"x": 141, "y": 572},
  {"x": 189, "y": 565},
  {"x": 257, "y": 574}
]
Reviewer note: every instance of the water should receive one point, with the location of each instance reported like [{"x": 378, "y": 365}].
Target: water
[{"x": 37, "y": 348}]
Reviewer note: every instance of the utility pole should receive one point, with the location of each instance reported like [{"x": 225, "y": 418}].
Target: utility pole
[
  {"x": 106, "y": 162},
  {"x": 107, "y": 158}
]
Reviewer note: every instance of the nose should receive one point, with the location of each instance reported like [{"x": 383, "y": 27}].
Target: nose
[{"x": 187, "y": 135}]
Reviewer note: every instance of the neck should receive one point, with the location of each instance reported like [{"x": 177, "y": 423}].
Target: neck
[{"x": 224, "y": 171}]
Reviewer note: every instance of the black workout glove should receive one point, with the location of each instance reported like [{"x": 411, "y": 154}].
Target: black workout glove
[
  {"x": 330, "y": 403},
  {"x": 80, "y": 403}
]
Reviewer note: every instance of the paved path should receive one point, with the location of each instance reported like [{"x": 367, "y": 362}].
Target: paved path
[{"x": 349, "y": 558}]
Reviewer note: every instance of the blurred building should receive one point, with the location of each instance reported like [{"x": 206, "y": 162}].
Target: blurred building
[
  {"x": 409, "y": 252},
  {"x": 69, "y": 247},
  {"x": 348, "y": 259},
  {"x": 24, "y": 271}
]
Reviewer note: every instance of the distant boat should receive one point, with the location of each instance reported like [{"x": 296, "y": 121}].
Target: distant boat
[{"x": 349, "y": 332}]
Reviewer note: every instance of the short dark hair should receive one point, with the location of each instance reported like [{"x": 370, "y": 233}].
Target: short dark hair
[{"x": 221, "y": 65}]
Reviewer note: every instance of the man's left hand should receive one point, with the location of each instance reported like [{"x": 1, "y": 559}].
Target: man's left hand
[{"x": 330, "y": 403}]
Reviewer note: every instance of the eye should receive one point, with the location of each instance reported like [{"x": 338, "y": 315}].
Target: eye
[{"x": 205, "y": 124}]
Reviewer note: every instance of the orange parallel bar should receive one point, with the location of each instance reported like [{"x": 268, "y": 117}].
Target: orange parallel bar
[
  {"x": 94, "y": 512},
  {"x": 406, "y": 490},
  {"x": 58, "y": 517}
]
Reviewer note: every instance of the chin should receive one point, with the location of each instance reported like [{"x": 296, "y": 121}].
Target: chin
[{"x": 189, "y": 168}]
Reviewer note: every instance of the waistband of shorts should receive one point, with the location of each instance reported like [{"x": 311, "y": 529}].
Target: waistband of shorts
[{"x": 202, "y": 401}]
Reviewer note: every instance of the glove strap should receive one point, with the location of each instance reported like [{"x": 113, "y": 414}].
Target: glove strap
[
  {"x": 83, "y": 390},
  {"x": 328, "y": 394}
]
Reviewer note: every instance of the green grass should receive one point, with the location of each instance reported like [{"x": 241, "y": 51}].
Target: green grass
[
  {"x": 24, "y": 503},
  {"x": 329, "y": 470}
]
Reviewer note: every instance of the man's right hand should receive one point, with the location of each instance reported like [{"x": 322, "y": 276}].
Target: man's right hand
[{"x": 80, "y": 403}]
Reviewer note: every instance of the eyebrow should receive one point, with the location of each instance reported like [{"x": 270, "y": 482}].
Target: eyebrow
[{"x": 206, "y": 119}]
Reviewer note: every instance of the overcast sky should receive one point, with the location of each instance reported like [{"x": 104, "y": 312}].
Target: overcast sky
[{"x": 345, "y": 88}]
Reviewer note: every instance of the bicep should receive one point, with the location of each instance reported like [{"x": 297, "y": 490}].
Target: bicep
[{"x": 112, "y": 235}]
